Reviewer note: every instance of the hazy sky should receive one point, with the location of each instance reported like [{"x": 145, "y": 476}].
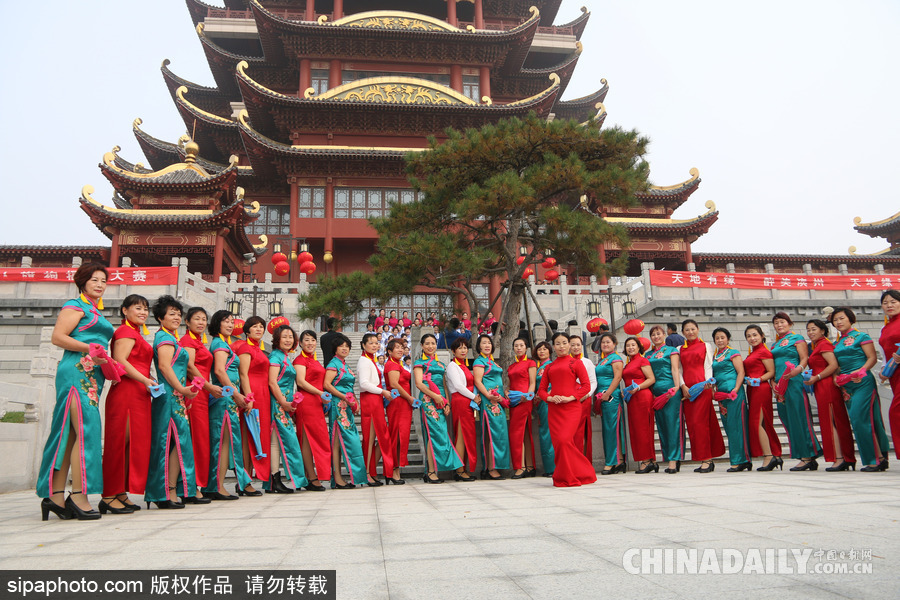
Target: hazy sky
[{"x": 788, "y": 109}]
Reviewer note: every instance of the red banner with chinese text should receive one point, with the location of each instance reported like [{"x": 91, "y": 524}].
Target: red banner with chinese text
[
  {"x": 772, "y": 281},
  {"x": 120, "y": 276}
]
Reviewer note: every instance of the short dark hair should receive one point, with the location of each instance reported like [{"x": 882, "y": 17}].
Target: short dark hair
[
  {"x": 84, "y": 273},
  {"x": 162, "y": 306},
  {"x": 575, "y": 336},
  {"x": 672, "y": 327},
  {"x": 539, "y": 345},
  {"x": 454, "y": 323},
  {"x": 330, "y": 322},
  {"x": 393, "y": 344},
  {"x": 193, "y": 311},
  {"x": 132, "y": 299},
  {"x": 820, "y": 324},
  {"x": 553, "y": 324},
  {"x": 660, "y": 327},
  {"x": 557, "y": 334},
  {"x": 610, "y": 336},
  {"x": 892, "y": 293},
  {"x": 215, "y": 323},
  {"x": 339, "y": 340},
  {"x": 721, "y": 330},
  {"x": 637, "y": 341},
  {"x": 426, "y": 336},
  {"x": 758, "y": 329},
  {"x": 279, "y": 331},
  {"x": 689, "y": 321},
  {"x": 365, "y": 338},
  {"x": 843, "y": 309},
  {"x": 254, "y": 320},
  {"x": 782, "y": 315},
  {"x": 460, "y": 341},
  {"x": 307, "y": 332},
  {"x": 478, "y": 343}
]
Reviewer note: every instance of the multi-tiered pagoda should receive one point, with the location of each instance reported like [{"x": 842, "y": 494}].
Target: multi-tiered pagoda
[{"x": 317, "y": 102}]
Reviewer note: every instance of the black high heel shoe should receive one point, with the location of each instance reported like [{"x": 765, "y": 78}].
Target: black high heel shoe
[
  {"x": 81, "y": 515},
  {"x": 842, "y": 466},
  {"x": 128, "y": 503},
  {"x": 620, "y": 468},
  {"x": 196, "y": 500},
  {"x": 105, "y": 507},
  {"x": 487, "y": 475},
  {"x": 390, "y": 480},
  {"x": 608, "y": 470},
  {"x": 806, "y": 465},
  {"x": 219, "y": 496},
  {"x": 427, "y": 478},
  {"x": 240, "y": 492},
  {"x": 650, "y": 466},
  {"x": 530, "y": 472},
  {"x": 336, "y": 486},
  {"x": 521, "y": 475},
  {"x": 276, "y": 486},
  {"x": 312, "y": 487},
  {"x": 49, "y": 506},
  {"x": 457, "y": 476},
  {"x": 707, "y": 469},
  {"x": 747, "y": 466},
  {"x": 881, "y": 466},
  {"x": 374, "y": 483}
]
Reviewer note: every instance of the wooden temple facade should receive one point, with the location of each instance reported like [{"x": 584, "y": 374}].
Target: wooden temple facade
[{"x": 317, "y": 102}]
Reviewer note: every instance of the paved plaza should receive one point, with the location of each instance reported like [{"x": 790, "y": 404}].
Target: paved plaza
[{"x": 510, "y": 539}]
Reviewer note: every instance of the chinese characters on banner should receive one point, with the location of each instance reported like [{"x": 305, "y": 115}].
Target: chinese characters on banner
[
  {"x": 769, "y": 281},
  {"x": 120, "y": 276}
]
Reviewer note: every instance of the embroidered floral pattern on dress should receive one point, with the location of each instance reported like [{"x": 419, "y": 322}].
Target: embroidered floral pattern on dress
[{"x": 88, "y": 382}]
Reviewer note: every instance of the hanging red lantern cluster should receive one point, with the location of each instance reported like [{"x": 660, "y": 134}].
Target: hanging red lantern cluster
[
  {"x": 593, "y": 326},
  {"x": 549, "y": 262},
  {"x": 529, "y": 271},
  {"x": 304, "y": 257},
  {"x": 308, "y": 267},
  {"x": 633, "y": 327},
  {"x": 282, "y": 267},
  {"x": 520, "y": 260},
  {"x": 278, "y": 257},
  {"x": 238, "y": 327},
  {"x": 551, "y": 275},
  {"x": 276, "y": 323}
]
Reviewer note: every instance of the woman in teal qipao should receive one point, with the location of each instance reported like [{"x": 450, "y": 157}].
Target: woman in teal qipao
[
  {"x": 225, "y": 445},
  {"x": 171, "y": 471},
  {"x": 728, "y": 370},
  {"x": 542, "y": 353},
  {"x": 494, "y": 432},
  {"x": 339, "y": 381},
  {"x": 854, "y": 351},
  {"x": 609, "y": 397},
  {"x": 74, "y": 440},
  {"x": 284, "y": 442},
  {"x": 440, "y": 453},
  {"x": 666, "y": 365},
  {"x": 793, "y": 406}
]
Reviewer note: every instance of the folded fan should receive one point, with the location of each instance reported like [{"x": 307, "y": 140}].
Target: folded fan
[
  {"x": 842, "y": 380},
  {"x": 351, "y": 401},
  {"x": 326, "y": 402},
  {"x": 660, "y": 401},
  {"x": 719, "y": 396},
  {"x": 695, "y": 390},
  {"x": 156, "y": 390},
  {"x": 251, "y": 417},
  {"x": 111, "y": 370},
  {"x": 890, "y": 367},
  {"x": 394, "y": 395},
  {"x": 227, "y": 392},
  {"x": 629, "y": 391},
  {"x": 782, "y": 385},
  {"x": 434, "y": 388},
  {"x": 807, "y": 375},
  {"x": 516, "y": 397},
  {"x": 754, "y": 381},
  {"x": 197, "y": 384},
  {"x": 298, "y": 398}
]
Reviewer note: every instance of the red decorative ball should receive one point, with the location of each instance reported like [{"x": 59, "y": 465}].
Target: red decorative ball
[
  {"x": 238, "y": 327},
  {"x": 278, "y": 257},
  {"x": 551, "y": 275},
  {"x": 594, "y": 324},
  {"x": 645, "y": 342},
  {"x": 282, "y": 268},
  {"x": 304, "y": 257},
  {"x": 529, "y": 271},
  {"x": 634, "y": 327},
  {"x": 309, "y": 267},
  {"x": 520, "y": 260},
  {"x": 549, "y": 262},
  {"x": 276, "y": 323}
]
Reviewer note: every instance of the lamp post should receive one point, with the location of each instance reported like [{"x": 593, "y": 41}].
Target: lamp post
[
  {"x": 253, "y": 296},
  {"x": 628, "y": 306}
]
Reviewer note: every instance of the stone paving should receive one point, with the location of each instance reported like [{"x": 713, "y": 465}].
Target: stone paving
[{"x": 508, "y": 539}]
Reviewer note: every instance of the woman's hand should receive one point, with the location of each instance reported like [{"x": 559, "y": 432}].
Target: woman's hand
[
  {"x": 287, "y": 406},
  {"x": 187, "y": 392},
  {"x": 240, "y": 400},
  {"x": 98, "y": 360},
  {"x": 386, "y": 394},
  {"x": 215, "y": 391}
]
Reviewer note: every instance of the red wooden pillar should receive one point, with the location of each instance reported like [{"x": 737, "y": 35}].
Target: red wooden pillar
[
  {"x": 479, "y": 14},
  {"x": 114, "y": 251},
  {"x": 305, "y": 75},
  {"x": 688, "y": 256},
  {"x": 485, "y": 81},
  {"x": 451, "y": 13},
  {"x": 217, "y": 253},
  {"x": 338, "y": 9},
  {"x": 329, "y": 222},
  {"x": 334, "y": 74},
  {"x": 601, "y": 251},
  {"x": 310, "y": 10},
  {"x": 456, "y": 79}
]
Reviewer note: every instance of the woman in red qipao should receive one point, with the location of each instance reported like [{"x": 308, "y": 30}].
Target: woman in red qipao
[
  {"x": 890, "y": 345},
  {"x": 200, "y": 363},
  {"x": 569, "y": 381},
  {"x": 126, "y": 449},
  {"x": 522, "y": 375},
  {"x": 760, "y": 365},
  {"x": 834, "y": 423},
  {"x": 374, "y": 419},
  {"x": 312, "y": 429},
  {"x": 640, "y": 409},
  {"x": 254, "y": 370},
  {"x": 399, "y": 410},
  {"x": 702, "y": 424},
  {"x": 461, "y": 386}
]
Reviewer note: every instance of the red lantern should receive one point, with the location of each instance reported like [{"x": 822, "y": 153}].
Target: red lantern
[
  {"x": 549, "y": 262},
  {"x": 276, "y": 323},
  {"x": 304, "y": 257},
  {"x": 282, "y": 268},
  {"x": 594, "y": 324},
  {"x": 634, "y": 327},
  {"x": 238, "y": 327},
  {"x": 278, "y": 257},
  {"x": 520, "y": 260},
  {"x": 551, "y": 275},
  {"x": 645, "y": 342},
  {"x": 309, "y": 267},
  {"x": 529, "y": 271}
]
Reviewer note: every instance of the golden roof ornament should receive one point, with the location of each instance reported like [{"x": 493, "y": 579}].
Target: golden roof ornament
[{"x": 191, "y": 151}]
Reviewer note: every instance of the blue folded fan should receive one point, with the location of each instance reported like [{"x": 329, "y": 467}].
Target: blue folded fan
[
  {"x": 156, "y": 390},
  {"x": 753, "y": 381},
  {"x": 695, "y": 390},
  {"x": 630, "y": 390},
  {"x": 252, "y": 419},
  {"x": 890, "y": 366}
]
